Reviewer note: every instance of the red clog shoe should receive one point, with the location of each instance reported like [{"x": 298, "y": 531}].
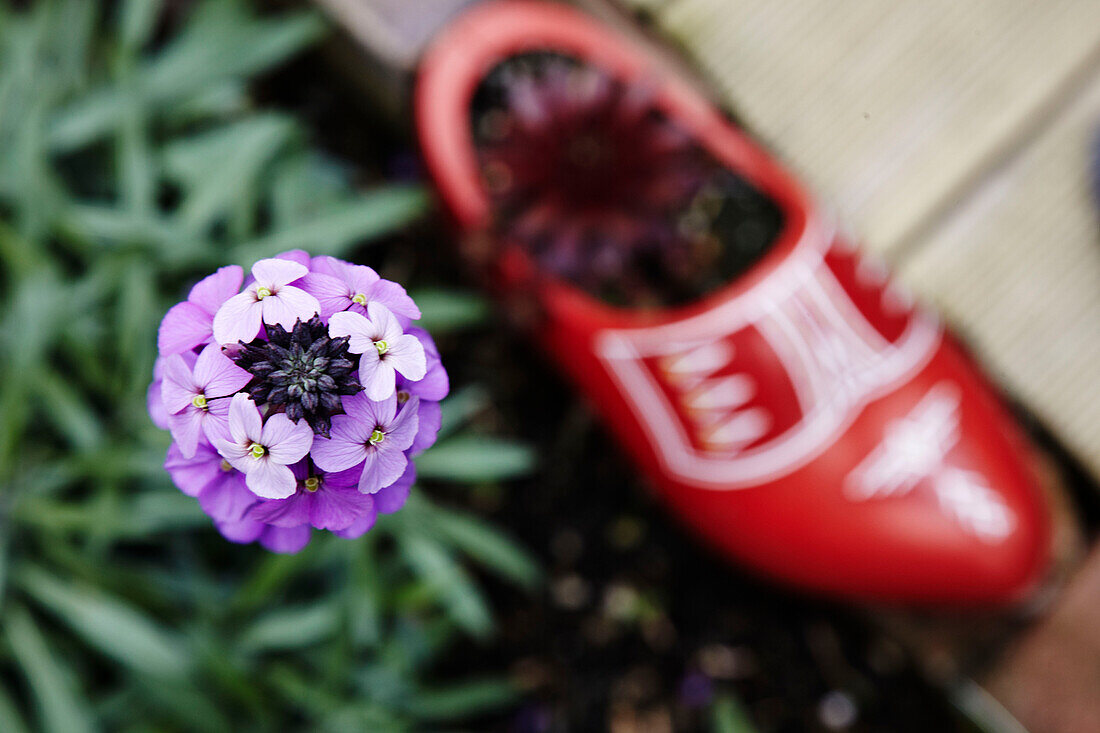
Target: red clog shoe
[{"x": 789, "y": 401}]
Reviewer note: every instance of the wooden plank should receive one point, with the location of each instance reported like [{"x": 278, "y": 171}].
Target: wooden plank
[
  {"x": 1017, "y": 269},
  {"x": 885, "y": 107}
]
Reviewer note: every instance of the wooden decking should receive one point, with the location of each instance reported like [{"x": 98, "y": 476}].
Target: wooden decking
[{"x": 955, "y": 138}]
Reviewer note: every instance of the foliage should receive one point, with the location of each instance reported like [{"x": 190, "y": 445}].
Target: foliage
[{"x": 134, "y": 162}]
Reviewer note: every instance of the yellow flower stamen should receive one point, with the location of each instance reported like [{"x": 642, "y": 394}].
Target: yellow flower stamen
[
  {"x": 262, "y": 293},
  {"x": 376, "y": 437},
  {"x": 359, "y": 298},
  {"x": 257, "y": 450},
  {"x": 199, "y": 401},
  {"x": 382, "y": 347},
  {"x": 402, "y": 396},
  {"x": 312, "y": 483}
]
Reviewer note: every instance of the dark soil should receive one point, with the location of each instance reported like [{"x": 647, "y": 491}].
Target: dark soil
[{"x": 639, "y": 628}]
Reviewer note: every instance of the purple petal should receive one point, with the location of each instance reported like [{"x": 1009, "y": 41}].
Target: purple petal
[
  {"x": 273, "y": 273},
  {"x": 394, "y": 297},
  {"x": 391, "y": 498},
  {"x": 289, "y": 306},
  {"x": 238, "y": 319},
  {"x": 295, "y": 255},
  {"x": 245, "y": 424},
  {"x": 155, "y": 404},
  {"x": 406, "y": 355},
  {"x": 387, "y": 467},
  {"x": 327, "y": 265},
  {"x": 226, "y": 498},
  {"x": 184, "y": 327},
  {"x": 434, "y": 386},
  {"x": 186, "y": 429},
  {"x": 368, "y": 480},
  {"x": 217, "y": 374},
  {"x": 290, "y": 512},
  {"x": 236, "y": 454},
  {"x": 429, "y": 419},
  {"x": 285, "y": 440},
  {"x": 360, "y": 278},
  {"x": 357, "y": 328},
  {"x": 213, "y": 290},
  {"x": 241, "y": 532},
  {"x": 384, "y": 410},
  {"x": 270, "y": 480},
  {"x": 215, "y": 422},
  {"x": 192, "y": 475},
  {"x": 336, "y": 509},
  {"x": 178, "y": 388},
  {"x": 331, "y": 293},
  {"x": 402, "y": 430},
  {"x": 346, "y": 479},
  {"x": 287, "y": 540},
  {"x": 362, "y": 410},
  {"x": 339, "y": 452},
  {"x": 430, "y": 349},
  {"x": 359, "y": 527}
]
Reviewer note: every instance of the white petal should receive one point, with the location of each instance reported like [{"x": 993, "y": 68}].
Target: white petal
[
  {"x": 386, "y": 325},
  {"x": 270, "y": 480},
  {"x": 377, "y": 378},
  {"x": 245, "y": 424},
  {"x": 285, "y": 440},
  {"x": 238, "y": 319},
  {"x": 406, "y": 355},
  {"x": 274, "y": 272},
  {"x": 288, "y": 306},
  {"x": 357, "y": 328}
]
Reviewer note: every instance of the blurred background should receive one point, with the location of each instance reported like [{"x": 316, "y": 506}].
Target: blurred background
[{"x": 529, "y": 585}]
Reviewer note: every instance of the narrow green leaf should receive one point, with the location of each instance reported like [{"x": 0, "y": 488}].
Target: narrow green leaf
[
  {"x": 109, "y": 625},
  {"x": 461, "y": 406},
  {"x": 59, "y": 703},
  {"x": 11, "y": 721},
  {"x": 292, "y": 628},
  {"x": 450, "y": 310},
  {"x": 463, "y": 700},
  {"x": 475, "y": 458},
  {"x": 337, "y": 231},
  {"x": 63, "y": 407},
  {"x": 456, "y": 589},
  {"x": 487, "y": 545}
]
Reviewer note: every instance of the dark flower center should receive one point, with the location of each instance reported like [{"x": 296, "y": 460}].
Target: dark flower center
[{"x": 303, "y": 371}]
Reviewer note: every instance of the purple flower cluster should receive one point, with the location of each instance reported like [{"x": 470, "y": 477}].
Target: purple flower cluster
[{"x": 296, "y": 398}]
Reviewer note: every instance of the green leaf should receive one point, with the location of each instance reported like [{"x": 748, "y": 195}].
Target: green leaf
[
  {"x": 60, "y": 705},
  {"x": 459, "y": 407},
  {"x": 338, "y": 230},
  {"x": 109, "y": 625},
  {"x": 449, "y": 580},
  {"x": 485, "y": 544},
  {"x": 292, "y": 628},
  {"x": 463, "y": 700},
  {"x": 11, "y": 721},
  {"x": 218, "y": 167},
  {"x": 220, "y": 43},
  {"x": 450, "y": 310},
  {"x": 475, "y": 458},
  {"x": 62, "y": 406}
]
